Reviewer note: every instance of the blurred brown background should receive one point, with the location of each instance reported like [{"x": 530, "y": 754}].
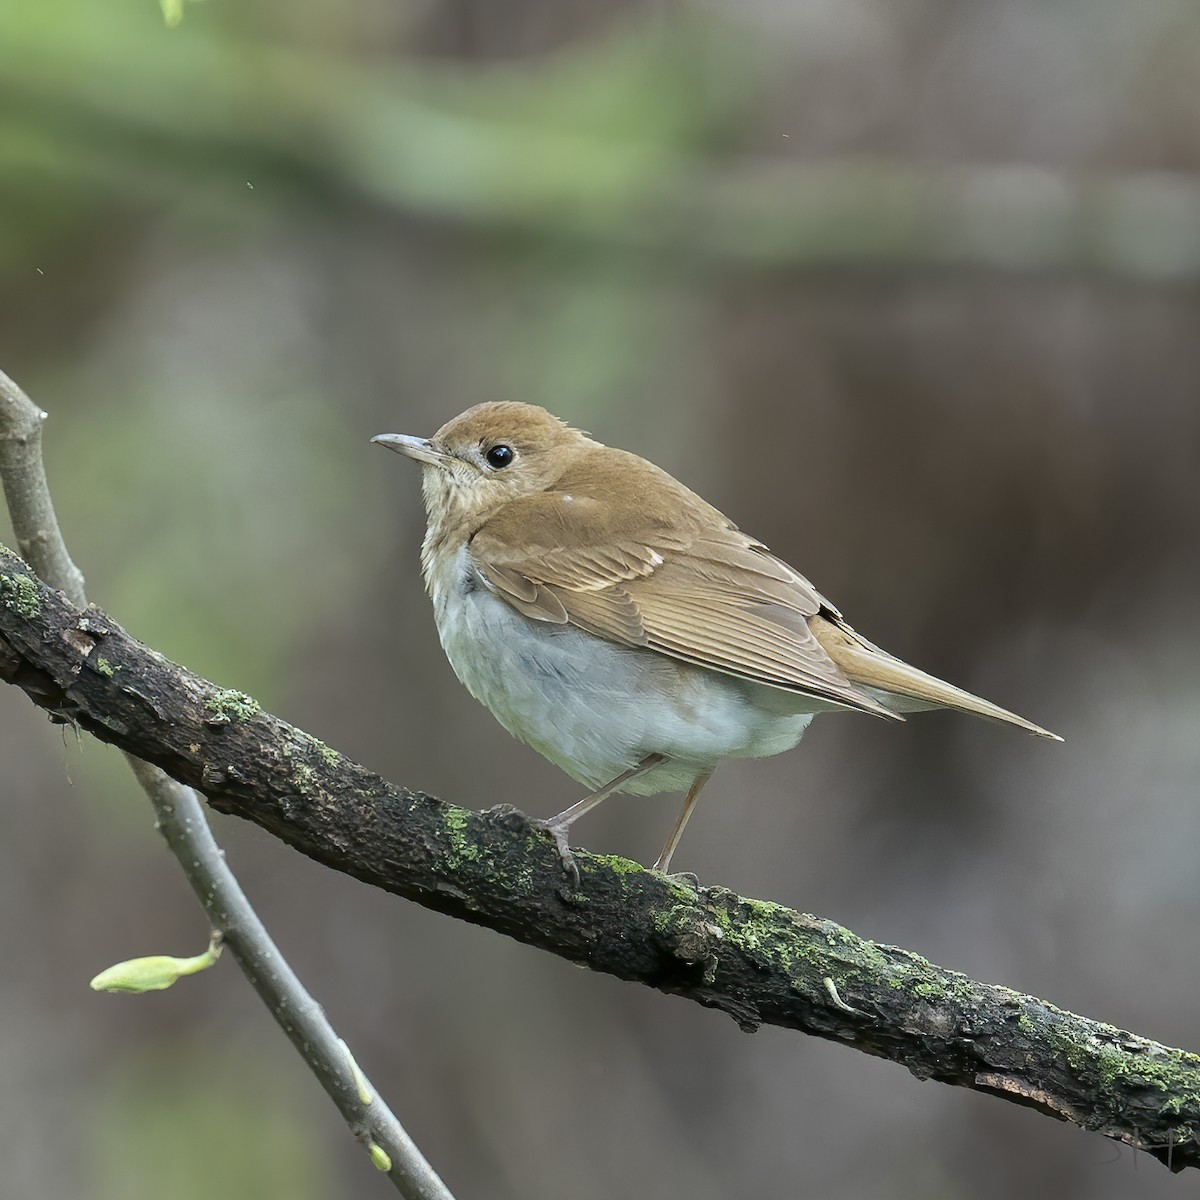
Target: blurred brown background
[{"x": 908, "y": 289}]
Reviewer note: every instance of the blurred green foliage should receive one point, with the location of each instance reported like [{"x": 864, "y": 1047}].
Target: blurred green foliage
[{"x": 105, "y": 104}]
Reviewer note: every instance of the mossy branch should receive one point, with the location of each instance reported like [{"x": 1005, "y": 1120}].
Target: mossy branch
[{"x": 759, "y": 962}]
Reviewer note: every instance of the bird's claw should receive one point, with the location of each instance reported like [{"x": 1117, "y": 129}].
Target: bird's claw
[
  {"x": 688, "y": 878},
  {"x": 560, "y": 833}
]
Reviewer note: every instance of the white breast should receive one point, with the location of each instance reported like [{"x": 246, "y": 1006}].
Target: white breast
[{"x": 594, "y": 708}]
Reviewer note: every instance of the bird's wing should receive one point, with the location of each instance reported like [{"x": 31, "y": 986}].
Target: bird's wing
[{"x": 684, "y": 583}]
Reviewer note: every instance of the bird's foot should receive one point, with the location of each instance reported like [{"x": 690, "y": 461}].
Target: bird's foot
[
  {"x": 686, "y": 878},
  {"x": 560, "y": 832}
]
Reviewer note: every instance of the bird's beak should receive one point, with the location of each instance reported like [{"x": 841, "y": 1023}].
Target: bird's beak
[{"x": 419, "y": 449}]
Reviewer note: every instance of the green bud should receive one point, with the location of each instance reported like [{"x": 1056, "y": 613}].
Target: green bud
[
  {"x": 360, "y": 1080},
  {"x": 154, "y": 972},
  {"x": 379, "y": 1156}
]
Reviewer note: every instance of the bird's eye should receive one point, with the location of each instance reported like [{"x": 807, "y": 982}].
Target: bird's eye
[{"x": 499, "y": 456}]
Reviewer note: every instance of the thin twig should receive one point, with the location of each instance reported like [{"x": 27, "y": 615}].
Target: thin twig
[
  {"x": 27, "y": 493},
  {"x": 181, "y": 821}
]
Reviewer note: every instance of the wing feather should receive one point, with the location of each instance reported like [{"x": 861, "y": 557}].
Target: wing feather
[
  {"x": 610, "y": 614},
  {"x": 699, "y": 591}
]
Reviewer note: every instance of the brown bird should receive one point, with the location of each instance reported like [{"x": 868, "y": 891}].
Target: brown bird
[{"x": 624, "y": 628}]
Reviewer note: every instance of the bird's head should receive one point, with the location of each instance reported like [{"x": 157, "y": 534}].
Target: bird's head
[{"x": 487, "y": 456}]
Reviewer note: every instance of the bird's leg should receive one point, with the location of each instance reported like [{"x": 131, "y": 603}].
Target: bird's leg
[
  {"x": 664, "y": 859},
  {"x": 559, "y": 826}
]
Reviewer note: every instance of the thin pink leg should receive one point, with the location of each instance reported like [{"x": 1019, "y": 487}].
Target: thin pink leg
[
  {"x": 664, "y": 859},
  {"x": 559, "y": 826}
]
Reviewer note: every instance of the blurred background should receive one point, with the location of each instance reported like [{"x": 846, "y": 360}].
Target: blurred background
[{"x": 909, "y": 289}]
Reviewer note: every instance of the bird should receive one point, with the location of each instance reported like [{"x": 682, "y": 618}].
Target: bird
[{"x": 623, "y": 627}]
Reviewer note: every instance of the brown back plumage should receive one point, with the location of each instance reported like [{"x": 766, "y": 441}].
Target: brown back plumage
[{"x": 615, "y": 546}]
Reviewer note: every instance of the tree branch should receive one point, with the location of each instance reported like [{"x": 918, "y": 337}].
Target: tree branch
[
  {"x": 181, "y": 821},
  {"x": 759, "y": 962}
]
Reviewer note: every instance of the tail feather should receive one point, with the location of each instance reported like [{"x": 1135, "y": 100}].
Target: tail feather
[{"x": 904, "y": 687}]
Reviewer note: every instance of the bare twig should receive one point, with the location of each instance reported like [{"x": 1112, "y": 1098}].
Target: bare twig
[
  {"x": 759, "y": 962},
  {"x": 23, "y": 477},
  {"x": 181, "y": 821}
]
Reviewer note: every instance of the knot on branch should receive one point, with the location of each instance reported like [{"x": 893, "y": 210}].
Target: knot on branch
[{"x": 687, "y": 933}]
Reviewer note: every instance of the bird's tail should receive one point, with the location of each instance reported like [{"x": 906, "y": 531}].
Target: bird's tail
[{"x": 903, "y": 688}]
